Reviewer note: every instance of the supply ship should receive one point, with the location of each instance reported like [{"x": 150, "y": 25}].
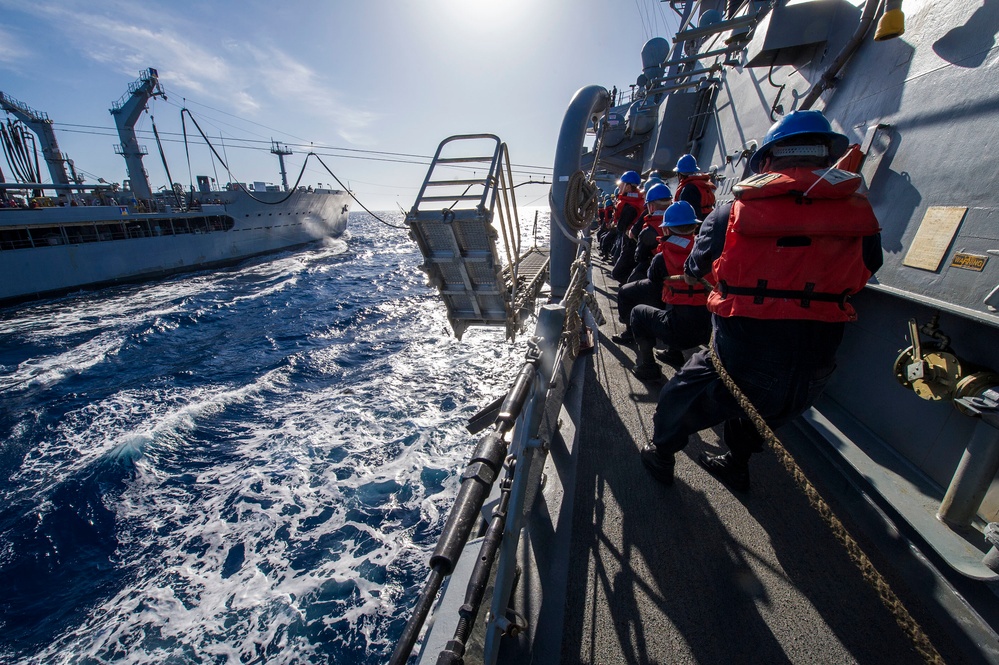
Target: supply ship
[
  {"x": 63, "y": 235},
  {"x": 881, "y": 545}
]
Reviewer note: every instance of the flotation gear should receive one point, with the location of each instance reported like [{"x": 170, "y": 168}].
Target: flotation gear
[
  {"x": 792, "y": 256},
  {"x": 702, "y": 181},
  {"x": 675, "y": 249},
  {"x": 851, "y": 159},
  {"x": 633, "y": 199}
]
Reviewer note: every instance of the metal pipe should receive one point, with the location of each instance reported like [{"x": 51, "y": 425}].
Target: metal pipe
[
  {"x": 476, "y": 483},
  {"x": 829, "y": 76},
  {"x": 977, "y": 468},
  {"x": 588, "y": 101}
]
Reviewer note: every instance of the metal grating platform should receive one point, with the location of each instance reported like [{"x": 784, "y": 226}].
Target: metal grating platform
[{"x": 460, "y": 244}]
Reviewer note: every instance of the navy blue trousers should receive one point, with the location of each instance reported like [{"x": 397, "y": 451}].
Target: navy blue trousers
[
  {"x": 781, "y": 366},
  {"x": 679, "y": 326}
]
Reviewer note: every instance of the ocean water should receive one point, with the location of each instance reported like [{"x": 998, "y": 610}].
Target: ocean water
[{"x": 235, "y": 466}]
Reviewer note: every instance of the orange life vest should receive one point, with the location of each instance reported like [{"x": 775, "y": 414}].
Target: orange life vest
[
  {"x": 788, "y": 256},
  {"x": 634, "y": 199},
  {"x": 702, "y": 181},
  {"x": 675, "y": 249}
]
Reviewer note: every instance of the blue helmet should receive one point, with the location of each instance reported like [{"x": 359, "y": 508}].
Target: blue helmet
[
  {"x": 686, "y": 164},
  {"x": 631, "y": 178},
  {"x": 657, "y": 192},
  {"x": 648, "y": 184},
  {"x": 679, "y": 214},
  {"x": 797, "y": 123}
]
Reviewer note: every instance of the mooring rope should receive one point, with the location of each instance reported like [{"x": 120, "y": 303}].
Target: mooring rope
[
  {"x": 580, "y": 201},
  {"x": 905, "y": 621}
]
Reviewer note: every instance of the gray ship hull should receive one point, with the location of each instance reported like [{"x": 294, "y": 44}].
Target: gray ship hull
[
  {"x": 47, "y": 251},
  {"x": 607, "y": 566}
]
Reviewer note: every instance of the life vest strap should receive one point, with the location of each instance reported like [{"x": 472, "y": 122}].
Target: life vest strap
[
  {"x": 806, "y": 296},
  {"x": 689, "y": 291}
]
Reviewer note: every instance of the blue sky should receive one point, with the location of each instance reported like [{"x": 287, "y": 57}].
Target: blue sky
[{"x": 355, "y": 79}]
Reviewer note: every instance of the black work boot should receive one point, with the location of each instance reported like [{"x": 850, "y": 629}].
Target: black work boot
[
  {"x": 672, "y": 357},
  {"x": 646, "y": 368},
  {"x": 660, "y": 466},
  {"x": 725, "y": 468},
  {"x": 627, "y": 337}
]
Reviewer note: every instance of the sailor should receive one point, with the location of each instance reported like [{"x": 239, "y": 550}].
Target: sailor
[
  {"x": 630, "y": 207},
  {"x": 646, "y": 290},
  {"x": 694, "y": 187},
  {"x": 684, "y": 321},
  {"x": 612, "y": 239},
  {"x": 787, "y": 254},
  {"x": 648, "y": 234}
]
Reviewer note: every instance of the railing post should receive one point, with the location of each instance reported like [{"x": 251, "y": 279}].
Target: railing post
[{"x": 586, "y": 103}]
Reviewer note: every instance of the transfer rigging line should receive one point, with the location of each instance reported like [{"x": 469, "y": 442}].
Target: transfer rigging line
[{"x": 920, "y": 641}]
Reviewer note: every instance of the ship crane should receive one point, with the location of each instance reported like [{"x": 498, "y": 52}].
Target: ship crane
[
  {"x": 126, "y": 112},
  {"x": 41, "y": 125}
]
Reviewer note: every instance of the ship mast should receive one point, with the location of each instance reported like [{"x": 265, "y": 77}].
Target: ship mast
[
  {"x": 126, "y": 112},
  {"x": 277, "y": 148},
  {"x": 40, "y": 124}
]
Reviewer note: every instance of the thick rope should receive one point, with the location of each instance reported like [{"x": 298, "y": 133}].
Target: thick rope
[
  {"x": 909, "y": 626},
  {"x": 581, "y": 201}
]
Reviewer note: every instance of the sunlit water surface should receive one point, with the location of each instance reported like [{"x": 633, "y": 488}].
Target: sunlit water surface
[{"x": 235, "y": 466}]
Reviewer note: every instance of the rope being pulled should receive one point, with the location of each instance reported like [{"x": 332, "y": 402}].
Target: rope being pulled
[{"x": 909, "y": 626}]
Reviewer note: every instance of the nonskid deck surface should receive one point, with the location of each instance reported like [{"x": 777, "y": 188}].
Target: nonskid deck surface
[{"x": 693, "y": 573}]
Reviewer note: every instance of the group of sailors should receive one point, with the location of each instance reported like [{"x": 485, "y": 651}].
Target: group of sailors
[{"x": 762, "y": 282}]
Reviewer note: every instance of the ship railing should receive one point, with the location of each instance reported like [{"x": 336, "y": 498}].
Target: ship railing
[
  {"x": 529, "y": 413},
  {"x": 7, "y": 100},
  {"x": 466, "y": 190}
]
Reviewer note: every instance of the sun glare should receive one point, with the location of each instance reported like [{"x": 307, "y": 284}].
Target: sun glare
[{"x": 492, "y": 13}]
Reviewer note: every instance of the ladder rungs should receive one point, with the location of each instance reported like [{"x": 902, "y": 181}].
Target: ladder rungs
[
  {"x": 466, "y": 197},
  {"x": 476, "y": 292},
  {"x": 460, "y": 160},
  {"x": 438, "y": 183}
]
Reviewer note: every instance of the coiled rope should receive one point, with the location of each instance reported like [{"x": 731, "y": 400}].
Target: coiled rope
[
  {"x": 580, "y": 201},
  {"x": 921, "y": 642}
]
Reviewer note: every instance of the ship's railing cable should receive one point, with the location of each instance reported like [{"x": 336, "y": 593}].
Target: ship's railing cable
[
  {"x": 531, "y": 405},
  {"x": 921, "y": 642},
  {"x": 350, "y": 193},
  {"x": 559, "y": 328},
  {"x": 476, "y": 483}
]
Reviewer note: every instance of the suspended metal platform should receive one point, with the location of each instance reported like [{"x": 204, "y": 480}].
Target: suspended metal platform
[{"x": 461, "y": 245}]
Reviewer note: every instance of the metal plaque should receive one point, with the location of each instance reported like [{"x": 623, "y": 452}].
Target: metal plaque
[
  {"x": 936, "y": 233},
  {"x": 974, "y": 262}
]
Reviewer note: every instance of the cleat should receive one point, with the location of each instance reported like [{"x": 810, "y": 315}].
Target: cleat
[
  {"x": 733, "y": 475},
  {"x": 660, "y": 467}
]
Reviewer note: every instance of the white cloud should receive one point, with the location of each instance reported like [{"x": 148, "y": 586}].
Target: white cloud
[
  {"x": 246, "y": 75},
  {"x": 11, "y": 49}
]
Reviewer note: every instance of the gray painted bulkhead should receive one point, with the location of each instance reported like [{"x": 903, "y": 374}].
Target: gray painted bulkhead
[{"x": 934, "y": 93}]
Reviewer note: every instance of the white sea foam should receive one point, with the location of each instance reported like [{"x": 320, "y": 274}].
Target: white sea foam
[{"x": 274, "y": 517}]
